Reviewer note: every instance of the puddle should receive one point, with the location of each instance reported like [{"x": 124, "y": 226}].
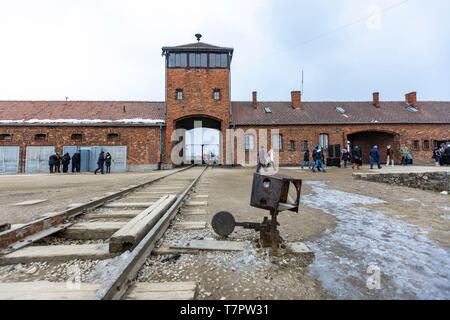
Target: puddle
[{"x": 411, "y": 266}]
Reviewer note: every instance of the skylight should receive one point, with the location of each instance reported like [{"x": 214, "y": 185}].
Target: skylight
[
  {"x": 340, "y": 110},
  {"x": 412, "y": 109},
  {"x": 267, "y": 109}
]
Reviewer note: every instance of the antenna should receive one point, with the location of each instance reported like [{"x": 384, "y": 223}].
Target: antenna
[{"x": 303, "y": 81}]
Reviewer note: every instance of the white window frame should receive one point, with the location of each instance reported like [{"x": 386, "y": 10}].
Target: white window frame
[
  {"x": 277, "y": 142},
  {"x": 249, "y": 142},
  {"x": 324, "y": 140}
]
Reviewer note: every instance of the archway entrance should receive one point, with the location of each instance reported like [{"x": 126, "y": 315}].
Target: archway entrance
[
  {"x": 367, "y": 139},
  {"x": 202, "y": 140}
]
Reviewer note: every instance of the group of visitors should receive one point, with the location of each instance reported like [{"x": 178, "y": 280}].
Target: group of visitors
[
  {"x": 355, "y": 157},
  {"x": 318, "y": 158},
  {"x": 55, "y": 162},
  {"x": 103, "y": 160},
  {"x": 266, "y": 160},
  {"x": 441, "y": 154}
]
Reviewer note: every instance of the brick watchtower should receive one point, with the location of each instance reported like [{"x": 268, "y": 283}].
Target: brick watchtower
[{"x": 197, "y": 89}]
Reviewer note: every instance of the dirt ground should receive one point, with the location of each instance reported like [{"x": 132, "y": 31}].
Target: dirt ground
[{"x": 59, "y": 190}]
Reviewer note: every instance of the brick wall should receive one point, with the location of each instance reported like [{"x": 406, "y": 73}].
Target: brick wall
[
  {"x": 142, "y": 142},
  {"x": 198, "y": 86},
  {"x": 339, "y": 134}
]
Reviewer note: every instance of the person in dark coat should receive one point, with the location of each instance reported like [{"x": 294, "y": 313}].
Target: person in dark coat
[
  {"x": 357, "y": 157},
  {"x": 437, "y": 156},
  {"x": 262, "y": 159},
  {"x": 375, "y": 157},
  {"x": 58, "y": 163},
  {"x": 108, "y": 160},
  {"x": 345, "y": 157},
  {"x": 447, "y": 154},
  {"x": 66, "y": 162},
  {"x": 76, "y": 162},
  {"x": 51, "y": 162},
  {"x": 306, "y": 159},
  {"x": 100, "y": 163}
]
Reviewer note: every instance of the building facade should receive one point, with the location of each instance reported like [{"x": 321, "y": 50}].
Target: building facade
[{"x": 143, "y": 135}]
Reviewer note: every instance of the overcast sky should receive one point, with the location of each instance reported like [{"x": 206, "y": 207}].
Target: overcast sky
[{"x": 111, "y": 50}]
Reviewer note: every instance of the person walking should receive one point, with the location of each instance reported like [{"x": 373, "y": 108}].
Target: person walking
[
  {"x": 447, "y": 154},
  {"x": 437, "y": 156},
  {"x": 319, "y": 161},
  {"x": 357, "y": 158},
  {"x": 390, "y": 156},
  {"x": 51, "y": 162},
  {"x": 270, "y": 159},
  {"x": 409, "y": 158},
  {"x": 76, "y": 162},
  {"x": 108, "y": 160},
  {"x": 375, "y": 157},
  {"x": 66, "y": 162},
  {"x": 261, "y": 159},
  {"x": 100, "y": 163},
  {"x": 306, "y": 158},
  {"x": 345, "y": 157},
  {"x": 404, "y": 153},
  {"x": 58, "y": 163}
]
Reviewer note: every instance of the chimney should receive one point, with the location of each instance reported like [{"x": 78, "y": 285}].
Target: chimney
[
  {"x": 411, "y": 99},
  {"x": 376, "y": 99},
  {"x": 255, "y": 100},
  {"x": 296, "y": 99}
]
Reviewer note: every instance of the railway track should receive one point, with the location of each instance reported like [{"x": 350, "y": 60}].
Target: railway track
[{"x": 95, "y": 250}]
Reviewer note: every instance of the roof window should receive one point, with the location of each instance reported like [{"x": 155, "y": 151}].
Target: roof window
[
  {"x": 340, "y": 110},
  {"x": 412, "y": 109},
  {"x": 267, "y": 110}
]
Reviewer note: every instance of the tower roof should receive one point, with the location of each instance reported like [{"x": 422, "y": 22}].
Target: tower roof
[{"x": 198, "y": 47}]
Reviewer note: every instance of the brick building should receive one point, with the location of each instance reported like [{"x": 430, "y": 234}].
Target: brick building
[{"x": 198, "y": 88}]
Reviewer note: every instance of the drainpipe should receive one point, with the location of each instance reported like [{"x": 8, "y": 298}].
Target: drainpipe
[{"x": 161, "y": 147}]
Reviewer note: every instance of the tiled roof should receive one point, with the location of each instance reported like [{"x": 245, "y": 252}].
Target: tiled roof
[
  {"x": 151, "y": 113},
  {"x": 197, "y": 46},
  {"x": 78, "y": 112},
  {"x": 325, "y": 113}
]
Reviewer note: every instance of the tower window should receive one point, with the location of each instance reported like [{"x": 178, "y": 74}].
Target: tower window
[
  {"x": 76, "y": 137},
  {"x": 178, "y": 60},
  {"x": 40, "y": 137},
  {"x": 6, "y": 137},
  {"x": 113, "y": 136},
  {"x": 179, "y": 94},
  {"x": 218, "y": 60},
  {"x": 216, "y": 94},
  {"x": 198, "y": 60}
]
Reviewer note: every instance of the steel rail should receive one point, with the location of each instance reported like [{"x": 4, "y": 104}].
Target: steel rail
[
  {"x": 12, "y": 236},
  {"x": 126, "y": 271}
]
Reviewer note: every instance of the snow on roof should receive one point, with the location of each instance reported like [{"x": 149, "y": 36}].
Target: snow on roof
[{"x": 85, "y": 121}]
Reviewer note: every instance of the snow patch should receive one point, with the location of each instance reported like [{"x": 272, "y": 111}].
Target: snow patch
[
  {"x": 84, "y": 121},
  {"x": 412, "y": 266}
]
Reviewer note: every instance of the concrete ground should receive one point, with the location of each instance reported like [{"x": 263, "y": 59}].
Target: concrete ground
[{"x": 59, "y": 191}]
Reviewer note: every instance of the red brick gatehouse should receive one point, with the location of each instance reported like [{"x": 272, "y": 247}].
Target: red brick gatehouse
[{"x": 198, "y": 88}]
